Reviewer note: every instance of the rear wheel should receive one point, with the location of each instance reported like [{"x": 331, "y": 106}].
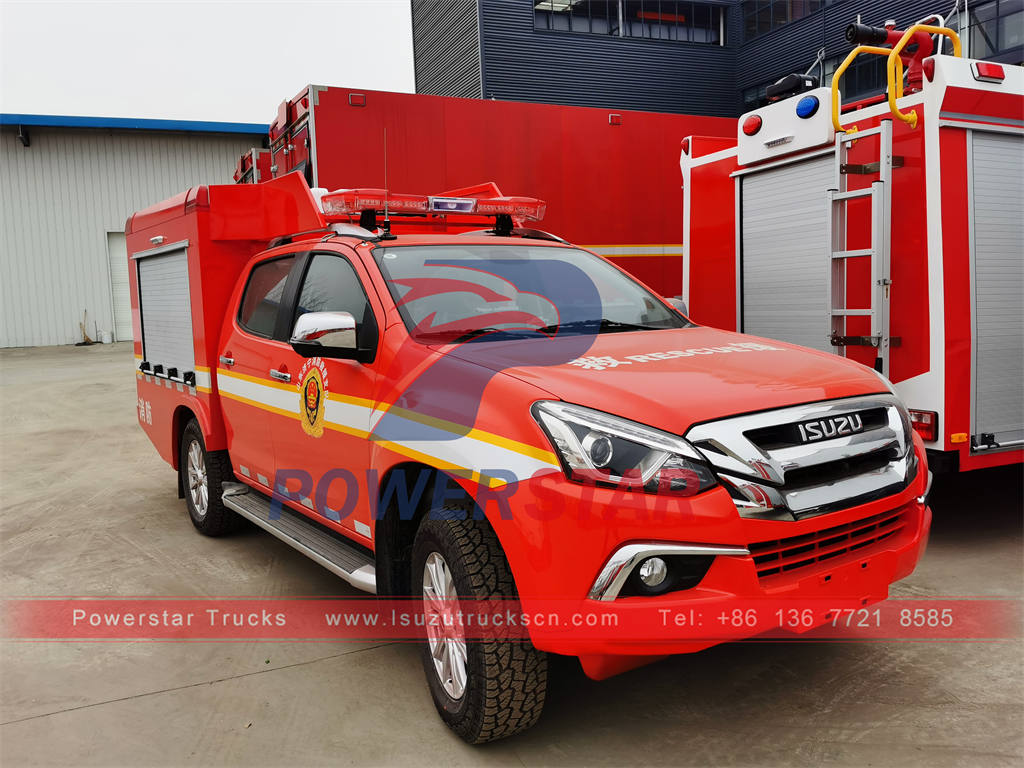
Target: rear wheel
[
  {"x": 483, "y": 689},
  {"x": 202, "y": 473}
]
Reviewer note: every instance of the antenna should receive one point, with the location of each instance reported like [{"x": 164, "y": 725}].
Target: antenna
[{"x": 386, "y": 224}]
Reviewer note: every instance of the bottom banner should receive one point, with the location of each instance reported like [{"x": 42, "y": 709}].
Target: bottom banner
[{"x": 628, "y": 620}]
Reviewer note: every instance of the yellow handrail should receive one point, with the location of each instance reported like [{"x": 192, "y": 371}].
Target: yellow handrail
[
  {"x": 894, "y": 71},
  {"x": 894, "y": 67},
  {"x": 837, "y": 75}
]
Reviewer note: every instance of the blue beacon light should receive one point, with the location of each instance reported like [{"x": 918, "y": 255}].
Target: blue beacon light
[{"x": 807, "y": 106}]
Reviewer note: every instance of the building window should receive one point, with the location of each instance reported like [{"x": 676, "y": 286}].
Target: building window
[
  {"x": 761, "y": 16},
  {"x": 651, "y": 19},
  {"x": 994, "y": 28}
]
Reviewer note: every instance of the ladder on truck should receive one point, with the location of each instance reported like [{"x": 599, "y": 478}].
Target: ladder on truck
[{"x": 880, "y": 194}]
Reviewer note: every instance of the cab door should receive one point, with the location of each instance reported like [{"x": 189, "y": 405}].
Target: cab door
[
  {"x": 248, "y": 369},
  {"x": 325, "y": 453}
]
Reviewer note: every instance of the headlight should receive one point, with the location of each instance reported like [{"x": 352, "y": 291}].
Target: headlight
[{"x": 597, "y": 447}]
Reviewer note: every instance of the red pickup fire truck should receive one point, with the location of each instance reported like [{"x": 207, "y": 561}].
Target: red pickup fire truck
[{"x": 530, "y": 399}]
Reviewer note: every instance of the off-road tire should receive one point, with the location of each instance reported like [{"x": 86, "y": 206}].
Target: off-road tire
[
  {"x": 218, "y": 520},
  {"x": 507, "y": 678}
]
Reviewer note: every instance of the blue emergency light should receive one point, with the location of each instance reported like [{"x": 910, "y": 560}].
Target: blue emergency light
[{"x": 807, "y": 106}]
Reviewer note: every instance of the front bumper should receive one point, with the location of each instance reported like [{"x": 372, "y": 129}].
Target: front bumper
[{"x": 582, "y": 527}]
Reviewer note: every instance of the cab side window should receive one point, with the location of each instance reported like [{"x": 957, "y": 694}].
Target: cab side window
[
  {"x": 263, "y": 294},
  {"x": 332, "y": 285}
]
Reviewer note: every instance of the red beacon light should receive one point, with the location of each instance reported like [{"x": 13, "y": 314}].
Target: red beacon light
[
  {"x": 752, "y": 125},
  {"x": 524, "y": 208},
  {"x": 987, "y": 72},
  {"x": 348, "y": 202}
]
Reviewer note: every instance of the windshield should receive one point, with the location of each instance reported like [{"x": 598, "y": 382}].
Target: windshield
[{"x": 451, "y": 292}]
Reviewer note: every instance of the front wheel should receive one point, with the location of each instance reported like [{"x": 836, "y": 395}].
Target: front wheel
[{"x": 483, "y": 689}]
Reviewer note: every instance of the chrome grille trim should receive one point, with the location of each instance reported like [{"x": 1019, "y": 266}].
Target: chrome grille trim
[{"x": 756, "y": 477}]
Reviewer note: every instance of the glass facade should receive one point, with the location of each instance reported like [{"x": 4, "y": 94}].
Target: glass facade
[
  {"x": 994, "y": 28},
  {"x": 761, "y": 16},
  {"x": 649, "y": 19}
]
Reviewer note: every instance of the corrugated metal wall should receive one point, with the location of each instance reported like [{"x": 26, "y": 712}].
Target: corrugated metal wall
[
  {"x": 521, "y": 63},
  {"x": 524, "y": 64},
  {"x": 60, "y": 196},
  {"x": 446, "y": 47}
]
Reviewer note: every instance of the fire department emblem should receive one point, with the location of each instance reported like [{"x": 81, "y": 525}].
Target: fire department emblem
[{"x": 313, "y": 396}]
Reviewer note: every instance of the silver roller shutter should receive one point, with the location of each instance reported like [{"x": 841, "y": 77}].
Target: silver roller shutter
[
  {"x": 120, "y": 290},
  {"x": 784, "y": 252},
  {"x": 997, "y": 164},
  {"x": 166, "y": 311}
]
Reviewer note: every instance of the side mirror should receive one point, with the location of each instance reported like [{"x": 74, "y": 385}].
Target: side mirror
[
  {"x": 679, "y": 305},
  {"x": 326, "y": 334}
]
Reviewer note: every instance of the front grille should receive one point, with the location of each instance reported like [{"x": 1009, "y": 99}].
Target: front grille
[
  {"x": 783, "y": 556},
  {"x": 772, "y": 475},
  {"x": 830, "y": 472}
]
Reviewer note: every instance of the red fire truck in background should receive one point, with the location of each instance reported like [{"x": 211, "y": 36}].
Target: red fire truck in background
[
  {"x": 608, "y": 178},
  {"x": 254, "y": 167},
  {"x": 887, "y": 231}
]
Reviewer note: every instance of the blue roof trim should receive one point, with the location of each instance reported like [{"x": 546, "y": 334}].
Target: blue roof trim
[{"x": 69, "y": 121}]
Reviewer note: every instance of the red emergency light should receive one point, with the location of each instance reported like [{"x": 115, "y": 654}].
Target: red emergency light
[
  {"x": 987, "y": 72},
  {"x": 752, "y": 125},
  {"x": 346, "y": 202},
  {"x": 525, "y": 208}
]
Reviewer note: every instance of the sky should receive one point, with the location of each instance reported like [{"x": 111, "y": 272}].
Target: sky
[{"x": 224, "y": 61}]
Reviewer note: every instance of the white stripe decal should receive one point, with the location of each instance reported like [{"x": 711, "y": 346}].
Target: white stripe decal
[
  {"x": 264, "y": 394},
  {"x": 462, "y": 451}
]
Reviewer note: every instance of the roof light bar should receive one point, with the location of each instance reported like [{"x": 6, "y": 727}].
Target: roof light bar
[{"x": 349, "y": 202}]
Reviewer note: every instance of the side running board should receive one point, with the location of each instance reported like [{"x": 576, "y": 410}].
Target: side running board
[{"x": 344, "y": 560}]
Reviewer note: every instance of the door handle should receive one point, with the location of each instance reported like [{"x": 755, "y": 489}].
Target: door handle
[
  {"x": 276, "y": 374},
  {"x": 227, "y": 360}
]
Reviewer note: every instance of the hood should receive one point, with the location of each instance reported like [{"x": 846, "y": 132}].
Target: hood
[{"x": 673, "y": 379}]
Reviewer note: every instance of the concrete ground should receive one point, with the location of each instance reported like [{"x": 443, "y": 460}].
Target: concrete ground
[{"x": 89, "y": 509}]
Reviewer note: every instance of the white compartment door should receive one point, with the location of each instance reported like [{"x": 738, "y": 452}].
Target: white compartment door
[
  {"x": 166, "y": 311},
  {"x": 120, "y": 292},
  {"x": 784, "y": 253},
  {"x": 997, "y": 165}
]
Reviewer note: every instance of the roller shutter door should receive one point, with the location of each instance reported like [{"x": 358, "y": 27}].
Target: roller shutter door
[
  {"x": 784, "y": 252},
  {"x": 998, "y": 230},
  {"x": 166, "y": 311},
  {"x": 120, "y": 292}
]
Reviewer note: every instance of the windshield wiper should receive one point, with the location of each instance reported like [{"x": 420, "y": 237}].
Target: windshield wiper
[
  {"x": 460, "y": 335},
  {"x": 604, "y": 325}
]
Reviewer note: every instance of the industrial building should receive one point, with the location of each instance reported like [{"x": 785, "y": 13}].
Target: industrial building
[
  {"x": 68, "y": 183},
  {"x": 706, "y": 58},
  {"x": 66, "y": 188}
]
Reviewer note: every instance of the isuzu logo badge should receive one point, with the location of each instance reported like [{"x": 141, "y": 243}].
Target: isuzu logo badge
[{"x": 823, "y": 429}]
